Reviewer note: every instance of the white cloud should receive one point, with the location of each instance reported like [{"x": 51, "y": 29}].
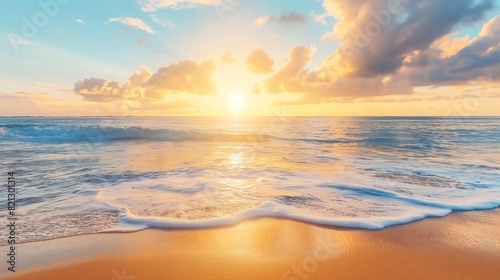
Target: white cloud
[
  {"x": 135, "y": 23},
  {"x": 163, "y": 22},
  {"x": 261, "y": 20},
  {"x": 80, "y": 21},
  {"x": 153, "y": 5},
  {"x": 320, "y": 18},
  {"x": 18, "y": 40}
]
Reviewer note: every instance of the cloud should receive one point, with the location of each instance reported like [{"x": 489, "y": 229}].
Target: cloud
[
  {"x": 97, "y": 89},
  {"x": 81, "y": 21},
  {"x": 16, "y": 40},
  {"x": 24, "y": 94},
  {"x": 227, "y": 58},
  {"x": 153, "y": 5},
  {"x": 491, "y": 90},
  {"x": 478, "y": 58},
  {"x": 262, "y": 20},
  {"x": 163, "y": 22},
  {"x": 133, "y": 89},
  {"x": 49, "y": 87},
  {"x": 135, "y": 23},
  {"x": 321, "y": 18},
  {"x": 185, "y": 76},
  {"x": 391, "y": 49},
  {"x": 102, "y": 90},
  {"x": 19, "y": 103},
  {"x": 378, "y": 34},
  {"x": 285, "y": 80},
  {"x": 144, "y": 42},
  {"x": 290, "y": 19},
  {"x": 143, "y": 87},
  {"x": 259, "y": 62},
  {"x": 40, "y": 104}
]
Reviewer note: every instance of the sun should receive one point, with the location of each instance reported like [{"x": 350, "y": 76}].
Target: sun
[{"x": 236, "y": 101}]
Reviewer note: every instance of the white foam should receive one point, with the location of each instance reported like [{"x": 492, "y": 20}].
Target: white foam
[
  {"x": 273, "y": 210},
  {"x": 352, "y": 206}
]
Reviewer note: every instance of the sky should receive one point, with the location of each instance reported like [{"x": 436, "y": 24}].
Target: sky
[{"x": 250, "y": 58}]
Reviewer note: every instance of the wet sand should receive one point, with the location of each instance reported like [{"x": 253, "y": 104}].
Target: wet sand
[{"x": 463, "y": 245}]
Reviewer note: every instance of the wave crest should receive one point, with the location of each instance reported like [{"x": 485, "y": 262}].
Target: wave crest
[{"x": 102, "y": 134}]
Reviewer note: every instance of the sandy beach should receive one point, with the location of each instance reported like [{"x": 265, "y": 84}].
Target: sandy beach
[
  {"x": 464, "y": 245},
  {"x": 250, "y": 140}
]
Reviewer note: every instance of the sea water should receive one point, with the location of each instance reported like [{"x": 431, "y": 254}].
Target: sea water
[{"x": 86, "y": 175}]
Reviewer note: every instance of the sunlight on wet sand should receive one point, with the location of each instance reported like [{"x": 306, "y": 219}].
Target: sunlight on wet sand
[{"x": 462, "y": 245}]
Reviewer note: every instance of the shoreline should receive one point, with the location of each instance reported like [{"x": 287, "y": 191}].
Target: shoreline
[
  {"x": 461, "y": 245},
  {"x": 253, "y": 218}
]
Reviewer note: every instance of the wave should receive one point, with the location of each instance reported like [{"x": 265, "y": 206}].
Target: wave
[
  {"x": 415, "y": 212},
  {"x": 339, "y": 205},
  {"x": 30, "y": 133},
  {"x": 36, "y": 132},
  {"x": 103, "y": 134}
]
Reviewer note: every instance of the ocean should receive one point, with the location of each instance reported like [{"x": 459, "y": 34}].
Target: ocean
[{"x": 87, "y": 175}]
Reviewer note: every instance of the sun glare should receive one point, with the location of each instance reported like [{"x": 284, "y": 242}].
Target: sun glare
[{"x": 236, "y": 101}]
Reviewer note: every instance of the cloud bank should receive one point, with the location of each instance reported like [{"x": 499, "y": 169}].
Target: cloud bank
[
  {"x": 145, "y": 89},
  {"x": 391, "y": 47}
]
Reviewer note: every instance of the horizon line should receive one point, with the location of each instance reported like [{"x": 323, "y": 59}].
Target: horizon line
[{"x": 266, "y": 116}]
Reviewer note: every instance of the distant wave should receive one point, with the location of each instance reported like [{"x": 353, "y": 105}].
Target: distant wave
[
  {"x": 37, "y": 133},
  {"x": 30, "y": 133},
  {"x": 102, "y": 134}
]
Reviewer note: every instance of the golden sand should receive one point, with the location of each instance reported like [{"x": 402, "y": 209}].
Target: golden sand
[{"x": 460, "y": 246}]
